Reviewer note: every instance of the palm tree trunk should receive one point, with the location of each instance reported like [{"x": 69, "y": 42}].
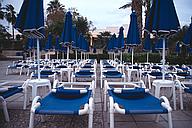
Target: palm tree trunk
[
  {"x": 13, "y": 33},
  {"x": 137, "y": 6}
]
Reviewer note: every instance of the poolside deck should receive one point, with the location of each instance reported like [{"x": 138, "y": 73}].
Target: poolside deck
[{"x": 19, "y": 118}]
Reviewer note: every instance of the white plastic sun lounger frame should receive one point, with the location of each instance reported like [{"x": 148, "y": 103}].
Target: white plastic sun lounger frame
[
  {"x": 88, "y": 107},
  {"x": 115, "y": 108},
  {"x": 124, "y": 84},
  {"x": 4, "y": 103}
]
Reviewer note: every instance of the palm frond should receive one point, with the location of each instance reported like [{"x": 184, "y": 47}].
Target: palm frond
[{"x": 128, "y": 5}]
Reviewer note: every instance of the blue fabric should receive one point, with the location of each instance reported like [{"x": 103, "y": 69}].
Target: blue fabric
[
  {"x": 66, "y": 36},
  {"x": 131, "y": 93},
  {"x": 74, "y": 38},
  {"x": 47, "y": 72},
  {"x": 147, "y": 43},
  {"x": 30, "y": 20},
  {"x": 188, "y": 36},
  {"x": 48, "y": 44},
  {"x": 156, "y": 67},
  {"x": 133, "y": 36},
  {"x": 68, "y": 93},
  {"x": 136, "y": 67},
  {"x": 177, "y": 48},
  {"x": 155, "y": 73},
  {"x": 162, "y": 17},
  {"x": 11, "y": 91},
  {"x": 30, "y": 44},
  {"x": 188, "y": 90},
  {"x": 87, "y": 66},
  {"x": 57, "y": 44},
  {"x": 121, "y": 38},
  {"x": 112, "y": 74},
  {"x": 183, "y": 73},
  {"x": 79, "y": 41},
  {"x": 15, "y": 66},
  {"x": 159, "y": 75},
  {"x": 112, "y": 44},
  {"x": 159, "y": 44},
  {"x": 108, "y": 66},
  {"x": 147, "y": 105},
  {"x": 84, "y": 73},
  {"x": 61, "y": 66},
  {"x": 44, "y": 74},
  {"x": 53, "y": 105}
]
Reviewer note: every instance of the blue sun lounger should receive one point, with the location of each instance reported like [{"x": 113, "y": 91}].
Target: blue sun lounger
[
  {"x": 45, "y": 74},
  {"x": 65, "y": 101},
  {"x": 185, "y": 86},
  {"x": 13, "y": 88},
  {"x": 136, "y": 101}
]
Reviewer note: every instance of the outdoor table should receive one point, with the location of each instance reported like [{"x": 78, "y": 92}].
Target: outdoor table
[
  {"x": 158, "y": 84},
  {"x": 68, "y": 70},
  {"x": 35, "y": 83},
  {"x": 130, "y": 70}
]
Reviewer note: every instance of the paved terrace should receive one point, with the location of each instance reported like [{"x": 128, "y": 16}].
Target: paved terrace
[{"x": 20, "y": 118}]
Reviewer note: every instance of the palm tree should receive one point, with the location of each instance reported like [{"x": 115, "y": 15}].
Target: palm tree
[
  {"x": 10, "y": 16},
  {"x": 103, "y": 39},
  {"x": 55, "y": 6},
  {"x": 1, "y": 12},
  {"x": 55, "y": 17},
  {"x": 137, "y": 6}
]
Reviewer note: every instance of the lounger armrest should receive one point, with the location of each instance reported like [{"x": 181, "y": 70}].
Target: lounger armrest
[
  {"x": 55, "y": 83},
  {"x": 142, "y": 84},
  {"x": 118, "y": 109},
  {"x": 165, "y": 103},
  {"x": 150, "y": 76},
  {"x": 179, "y": 77},
  {"x": 35, "y": 103},
  {"x": 2, "y": 99},
  {"x": 84, "y": 110}
]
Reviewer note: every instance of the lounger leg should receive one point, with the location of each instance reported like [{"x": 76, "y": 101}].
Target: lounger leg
[
  {"x": 25, "y": 98},
  {"x": 90, "y": 123},
  {"x": 21, "y": 70},
  {"x": 42, "y": 118},
  {"x": 157, "y": 118},
  {"x": 31, "y": 121},
  {"x": 111, "y": 119},
  {"x": 105, "y": 95},
  {"x": 111, "y": 112},
  {"x": 170, "y": 120},
  {"x": 181, "y": 97},
  {"x": 6, "y": 114},
  {"x": 7, "y": 71},
  {"x": 101, "y": 81}
]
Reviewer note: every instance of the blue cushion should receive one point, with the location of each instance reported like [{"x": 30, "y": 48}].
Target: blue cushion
[
  {"x": 156, "y": 67},
  {"x": 112, "y": 74},
  {"x": 183, "y": 73},
  {"x": 61, "y": 66},
  {"x": 11, "y": 91},
  {"x": 131, "y": 93},
  {"x": 136, "y": 67},
  {"x": 155, "y": 73},
  {"x": 84, "y": 73},
  {"x": 68, "y": 93},
  {"x": 47, "y": 72},
  {"x": 188, "y": 90},
  {"x": 146, "y": 105},
  {"x": 61, "y": 106},
  {"x": 108, "y": 66}
]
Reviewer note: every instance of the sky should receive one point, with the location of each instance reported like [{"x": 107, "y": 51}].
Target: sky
[{"x": 105, "y": 13}]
